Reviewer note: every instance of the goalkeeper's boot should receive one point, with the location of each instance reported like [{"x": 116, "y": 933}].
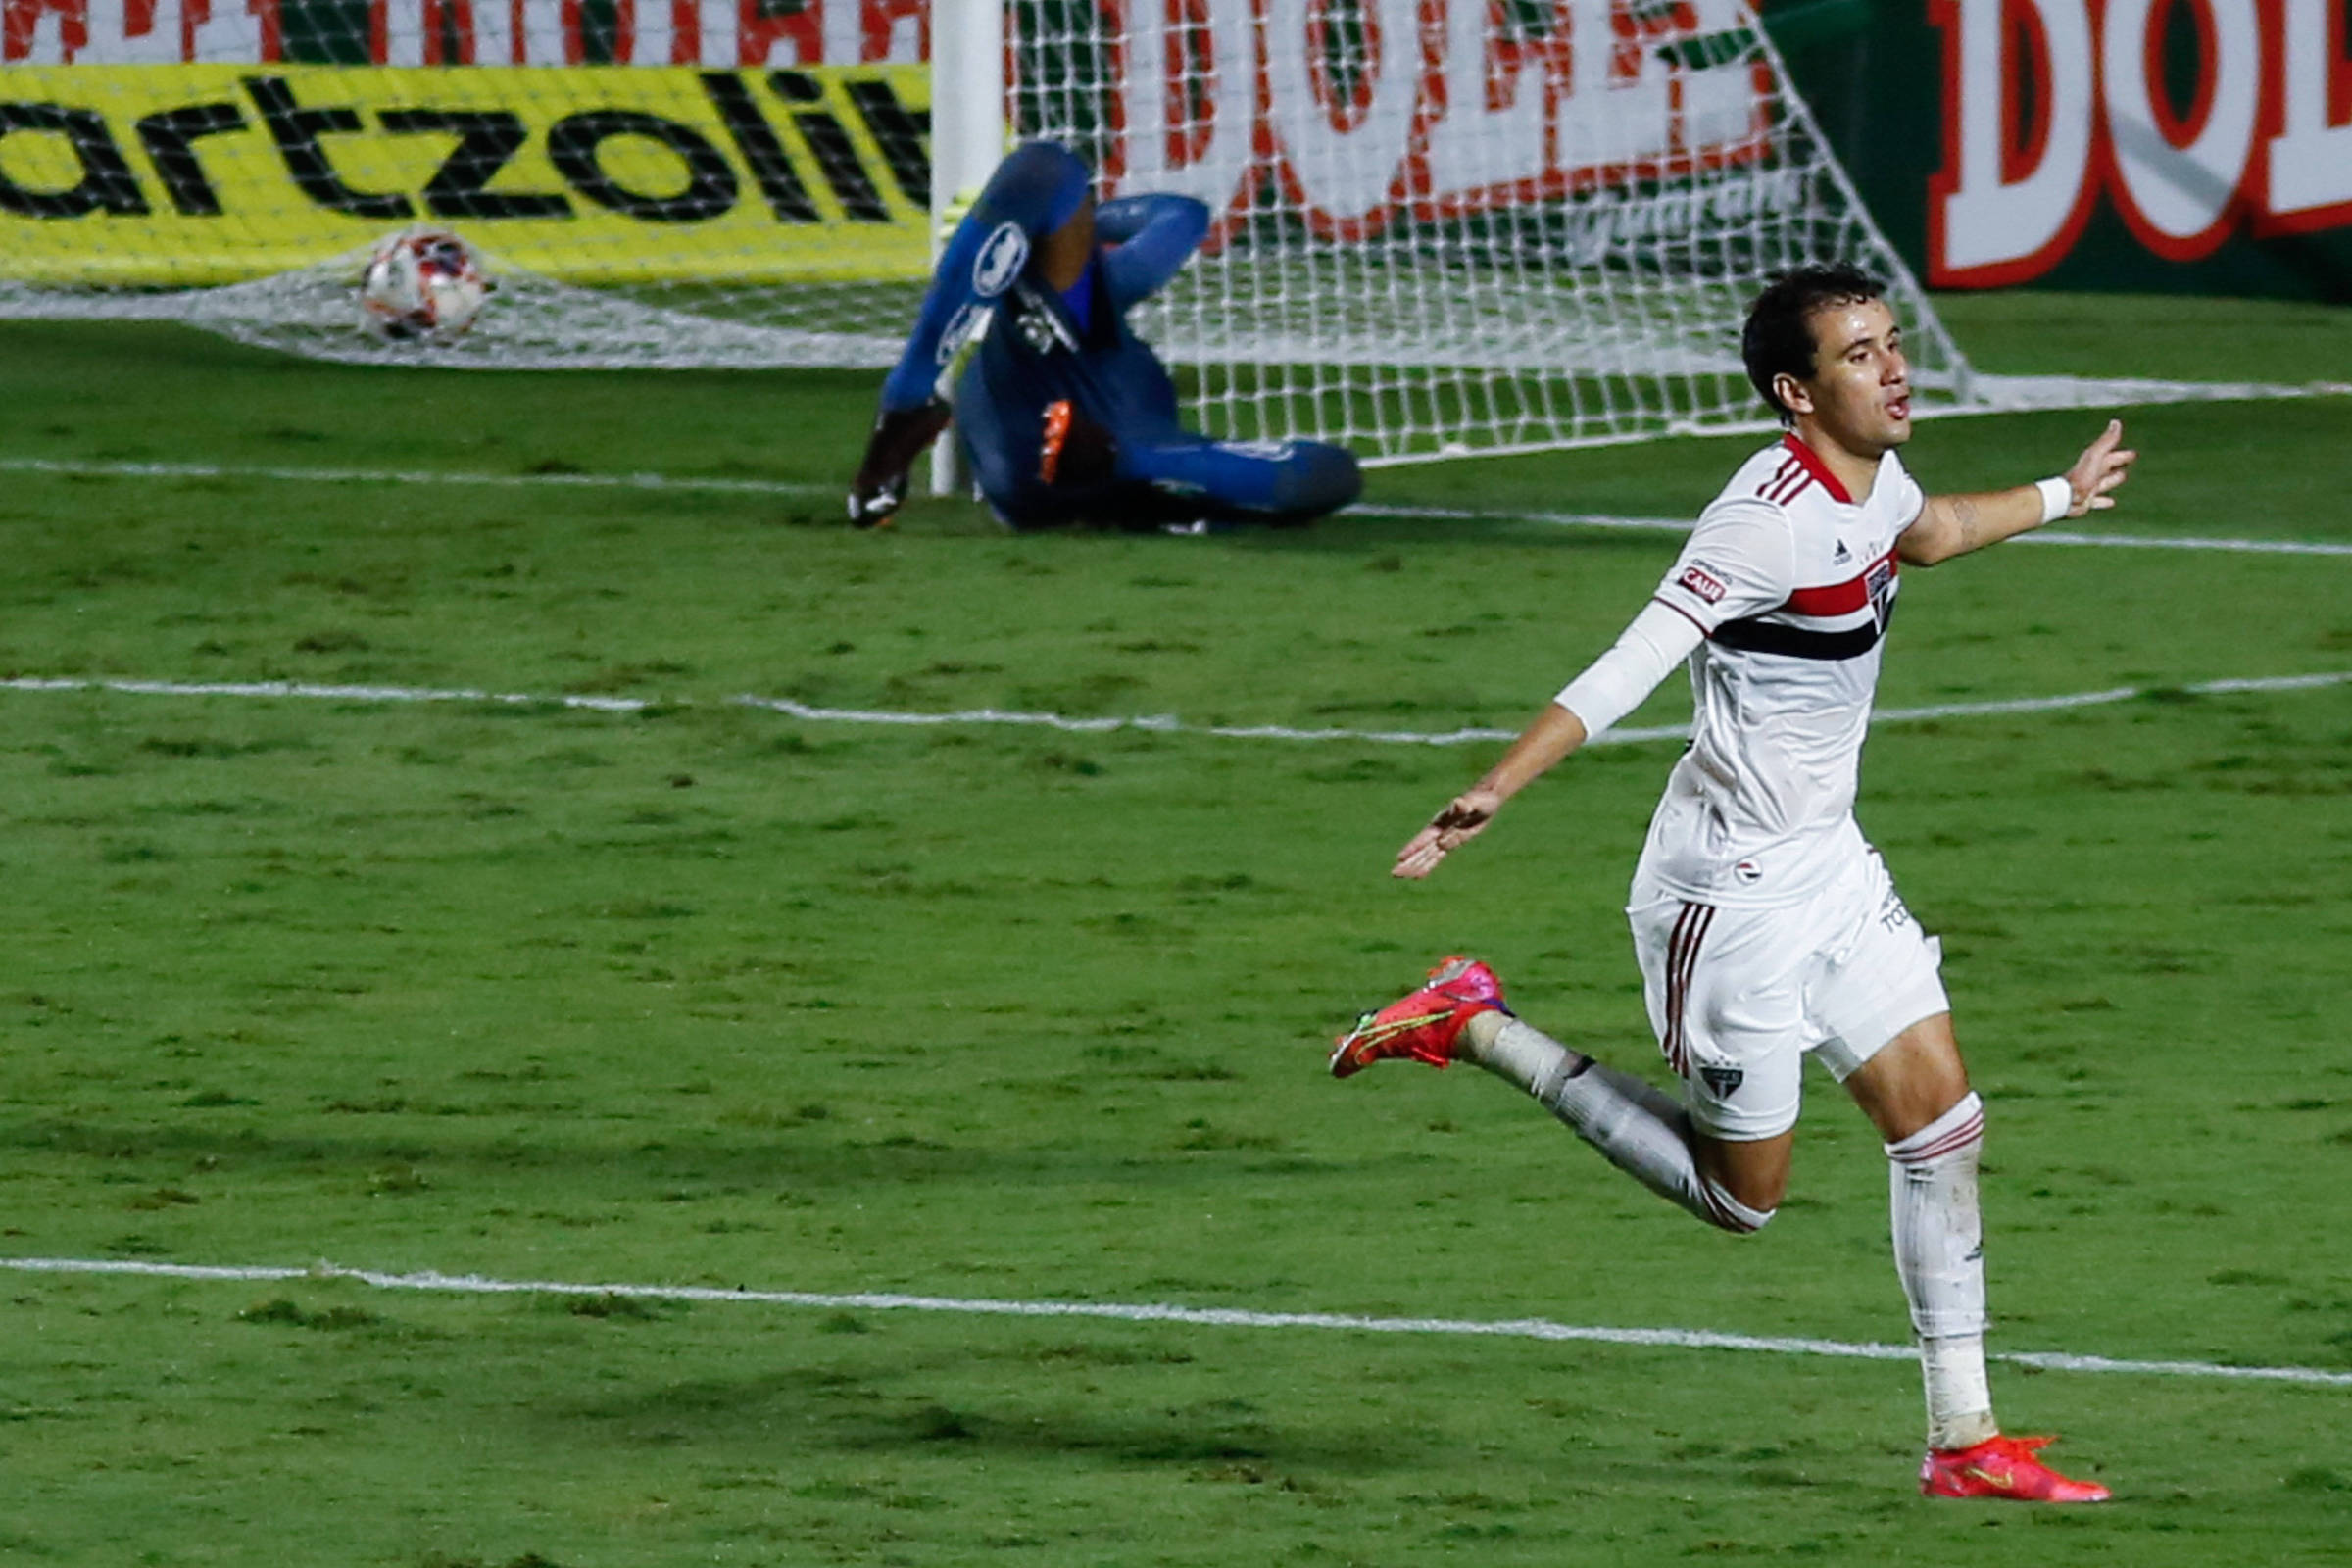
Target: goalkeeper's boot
[
  {"x": 899, "y": 438},
  {"x": 2002, "y": 1467},
  {"x": 1421, "y": 1026},
  {"x": 1073, "y": 449}
]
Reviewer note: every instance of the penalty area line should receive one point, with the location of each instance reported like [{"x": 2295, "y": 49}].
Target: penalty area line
[
  {"x": 1540, "y": 1329},
  {"x": 1152, "y": 724}
]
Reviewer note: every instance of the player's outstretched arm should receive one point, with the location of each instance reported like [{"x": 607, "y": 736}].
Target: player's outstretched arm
[
  {"x": 1954, "y": 525},
  {"x": 1612, "y": 686},
  {"x": 1544, "y": 745}
]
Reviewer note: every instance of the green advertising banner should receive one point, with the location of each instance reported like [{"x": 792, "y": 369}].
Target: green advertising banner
[{"x": 2183, "y": 146}]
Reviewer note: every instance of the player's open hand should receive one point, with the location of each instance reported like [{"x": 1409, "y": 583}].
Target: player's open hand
[
  {"x": 1462, "y": 820},
  {"x": 2103, "y": 465}
]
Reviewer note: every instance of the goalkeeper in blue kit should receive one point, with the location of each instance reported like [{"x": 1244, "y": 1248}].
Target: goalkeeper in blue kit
[{"x": 1066, "y": 415}]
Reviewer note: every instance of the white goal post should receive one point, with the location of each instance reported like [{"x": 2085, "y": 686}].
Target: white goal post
[{"x": 1442, "y": 226}]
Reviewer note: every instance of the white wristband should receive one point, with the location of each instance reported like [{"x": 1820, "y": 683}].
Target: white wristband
[{"x": 2057, "y": 498}]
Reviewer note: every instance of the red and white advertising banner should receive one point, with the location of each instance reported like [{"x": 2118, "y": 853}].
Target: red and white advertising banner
[
  {"x": 725, "y": 34},
  {"x": 1457, "y": 105},
  {"x": 2052, "y": 105}
]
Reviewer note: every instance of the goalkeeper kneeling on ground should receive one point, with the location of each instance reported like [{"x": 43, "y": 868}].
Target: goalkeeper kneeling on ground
[{"x": 1066, "y": 415}]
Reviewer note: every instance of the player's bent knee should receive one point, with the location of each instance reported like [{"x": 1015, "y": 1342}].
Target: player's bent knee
[
  {"x": 1724, "y": 1210},
  {"x": 1318, "y": 478}
]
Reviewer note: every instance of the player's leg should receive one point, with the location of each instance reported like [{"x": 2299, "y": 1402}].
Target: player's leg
[
  {"x": 1038, "y": 199},
  {"x": 1278, "y": 484},
  {"x": 1040, "y": 468},
  {"x": 1734, "y": 1183},
  {"x": 1914, "y": 1088},
  {"x": 1728, "y": 1164},
  {"x": 999, "y": 440}
]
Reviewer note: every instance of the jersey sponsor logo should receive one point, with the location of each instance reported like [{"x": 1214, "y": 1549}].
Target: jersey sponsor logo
[
  {"x": 999, "y": 260},
  {"x": 1840, "y": 556},
  {"x": 1037, "y": 330},
  {"x": 1750, "y": 872},
  {"x": 1040, "y": 326},
  {"x": 961, "y": 327},
  {"x": 1697, "y": 579}
]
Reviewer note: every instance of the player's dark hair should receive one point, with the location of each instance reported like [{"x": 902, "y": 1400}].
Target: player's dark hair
[{"x": 1778, "y": 339}]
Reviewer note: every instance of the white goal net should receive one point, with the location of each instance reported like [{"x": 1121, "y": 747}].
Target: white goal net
[
  {"x": 1443, "y": 225},
  {"x": 1492, "y": 225}
]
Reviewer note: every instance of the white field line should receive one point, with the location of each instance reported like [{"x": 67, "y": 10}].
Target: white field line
[
  {"x": 2041, "y": 536},
  {"x": 69, "y": 469},
  {"x": 1160, "y": 1312},
  {"x": 1156, "y": 724}
]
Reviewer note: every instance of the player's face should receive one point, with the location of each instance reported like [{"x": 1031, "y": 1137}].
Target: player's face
[{"x": 1859, "y": 395}]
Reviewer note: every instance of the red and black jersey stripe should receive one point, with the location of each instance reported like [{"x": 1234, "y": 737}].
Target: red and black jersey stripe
[
  {"x": 1757, "y": 635},
  {"x": 1776, "y": 632}
]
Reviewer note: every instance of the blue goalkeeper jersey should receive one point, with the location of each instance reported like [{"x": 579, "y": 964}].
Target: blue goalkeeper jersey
[
  {"x": 1038, "y": 351},
  {"x": 1041, "y": 348}
]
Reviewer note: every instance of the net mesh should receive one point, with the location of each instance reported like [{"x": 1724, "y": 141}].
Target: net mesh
[
  {"x": 1442, "y": 226},
  {"x": 1530, "y": 223}
]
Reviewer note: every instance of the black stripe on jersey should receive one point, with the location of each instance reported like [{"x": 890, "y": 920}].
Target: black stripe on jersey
[{"x": 1756, "y": 636}]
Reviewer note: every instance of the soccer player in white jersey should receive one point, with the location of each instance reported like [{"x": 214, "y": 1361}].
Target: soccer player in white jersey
[{"x": 1767, "y": 928}]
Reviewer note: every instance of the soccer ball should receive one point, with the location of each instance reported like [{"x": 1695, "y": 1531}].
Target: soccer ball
[{"x": 423, "y": 284}]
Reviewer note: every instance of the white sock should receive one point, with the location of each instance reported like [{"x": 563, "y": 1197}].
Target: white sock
[
  {"x": 1636, "y": 1129},
  {"x": 1939, "y": 1256},
  {"x": 1959, "y": 1401}
]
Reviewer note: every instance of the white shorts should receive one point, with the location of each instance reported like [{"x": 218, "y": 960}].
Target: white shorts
[{"x": 1739, "y": 997}]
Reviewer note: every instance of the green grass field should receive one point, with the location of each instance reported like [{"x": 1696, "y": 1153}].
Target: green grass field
[{"x": 702, "y": 994}]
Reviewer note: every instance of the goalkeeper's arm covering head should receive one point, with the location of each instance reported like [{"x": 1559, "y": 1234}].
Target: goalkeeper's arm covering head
[{"x": 1037, "y": 188}]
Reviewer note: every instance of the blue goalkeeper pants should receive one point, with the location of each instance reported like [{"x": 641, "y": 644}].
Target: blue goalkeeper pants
[{"x": 1176, "y": 478}]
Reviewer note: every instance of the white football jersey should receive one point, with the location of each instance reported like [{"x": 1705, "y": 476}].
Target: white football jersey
[{"x": 1794, "y": 583}]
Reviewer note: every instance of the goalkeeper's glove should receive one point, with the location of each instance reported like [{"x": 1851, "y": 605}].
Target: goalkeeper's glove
[{"x": 899, "y": 438}]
